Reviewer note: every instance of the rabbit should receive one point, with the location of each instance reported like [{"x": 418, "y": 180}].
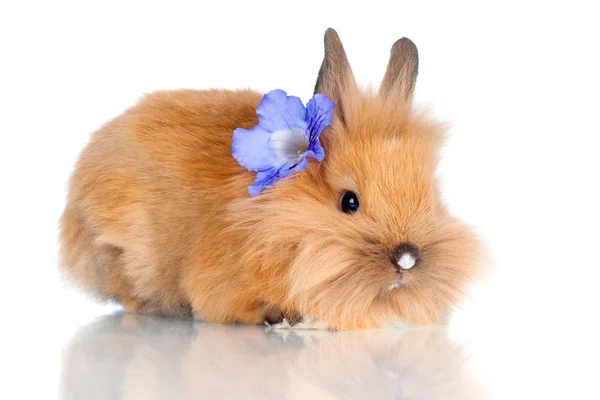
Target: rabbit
[{"x": 158, "y": 215}]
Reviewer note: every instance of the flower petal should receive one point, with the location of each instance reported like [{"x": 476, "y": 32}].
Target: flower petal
[
  {"x": 251, "y": 149},
  {"x": 316, "y": 150},
  {"x": 277, "y": 112},
  {"x": 300, "y": 166},
  {"x": 319, "y": 114},
  {"x": 263, "y": 180}
]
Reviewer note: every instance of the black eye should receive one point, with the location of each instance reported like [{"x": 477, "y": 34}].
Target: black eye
[{"x": 349, "y": 202}]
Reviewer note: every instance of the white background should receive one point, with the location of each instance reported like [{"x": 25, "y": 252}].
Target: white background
[{"x": 519, "y": 81}]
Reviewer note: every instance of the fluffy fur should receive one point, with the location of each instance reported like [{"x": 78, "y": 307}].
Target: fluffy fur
[{"x": 159, "y": 218}]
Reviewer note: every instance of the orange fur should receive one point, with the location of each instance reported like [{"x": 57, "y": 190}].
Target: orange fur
[{"x": 159, "y": 218}]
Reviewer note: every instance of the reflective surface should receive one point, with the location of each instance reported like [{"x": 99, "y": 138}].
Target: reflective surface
[{"x": 126, "y": 356}]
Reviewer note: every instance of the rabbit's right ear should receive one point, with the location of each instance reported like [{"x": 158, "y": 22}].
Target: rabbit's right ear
[
  {"x": 336, "y": 79},
  {"x": 401, "y": 74}
]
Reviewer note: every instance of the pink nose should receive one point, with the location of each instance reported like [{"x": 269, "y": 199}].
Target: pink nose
[{"x": 406, "y": 256}]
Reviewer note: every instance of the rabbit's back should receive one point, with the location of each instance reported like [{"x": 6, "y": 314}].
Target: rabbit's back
[{"x": 145, "y": 187}]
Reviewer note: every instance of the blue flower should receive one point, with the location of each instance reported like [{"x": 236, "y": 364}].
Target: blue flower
[{"x": 287, "y": 133}]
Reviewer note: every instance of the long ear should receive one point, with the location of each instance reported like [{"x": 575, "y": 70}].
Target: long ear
[
  {"x": 402, "y": 70},
  {"x": 335, "y": 80}
]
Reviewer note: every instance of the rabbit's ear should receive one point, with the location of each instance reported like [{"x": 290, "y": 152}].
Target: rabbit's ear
[
  {"x": 402, "y": 69},
  {"x": 336, "y": 80}
]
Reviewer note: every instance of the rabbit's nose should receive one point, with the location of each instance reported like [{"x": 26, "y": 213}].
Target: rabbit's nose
[{"x": 407, "y": 256}]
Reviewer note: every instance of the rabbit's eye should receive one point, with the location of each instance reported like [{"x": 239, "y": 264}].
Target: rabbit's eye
[{"x": 349, "y": 202}]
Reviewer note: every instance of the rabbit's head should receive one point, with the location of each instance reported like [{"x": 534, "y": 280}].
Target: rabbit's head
[{"x": 363, "y": 235}]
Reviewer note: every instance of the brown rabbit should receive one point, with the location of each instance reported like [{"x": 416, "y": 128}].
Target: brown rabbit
[{"x": 159, "y": 217}]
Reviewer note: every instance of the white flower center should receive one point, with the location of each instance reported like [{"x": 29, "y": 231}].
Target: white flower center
[{"x": 289, "y": 145}]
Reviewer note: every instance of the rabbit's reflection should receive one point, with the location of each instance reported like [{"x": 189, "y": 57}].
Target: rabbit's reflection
[{"x": 127, "y": 356}]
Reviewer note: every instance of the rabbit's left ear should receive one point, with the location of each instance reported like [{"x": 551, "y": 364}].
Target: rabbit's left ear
[
  {"x": 401, "y": 74},
  {"x": 336, "y": 79}
]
